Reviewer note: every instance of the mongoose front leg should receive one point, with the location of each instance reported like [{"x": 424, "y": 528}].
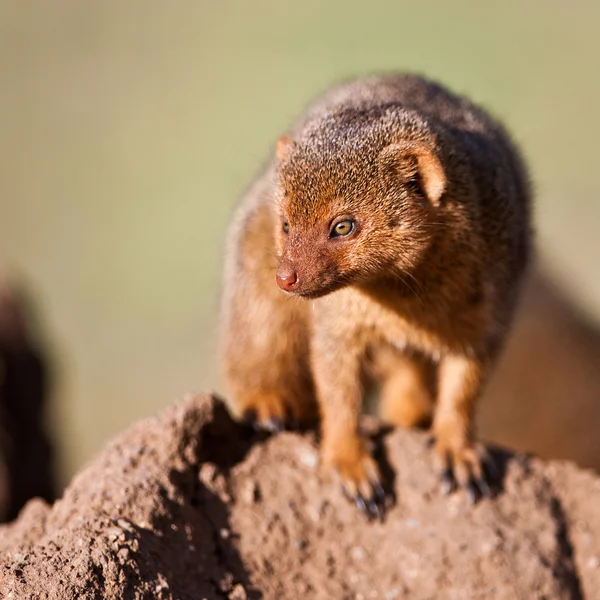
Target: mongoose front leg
[
  {"x": 405, "y": 390},
  {"x": 460, "y": 382},
  {"x": 336, "y": 369}
]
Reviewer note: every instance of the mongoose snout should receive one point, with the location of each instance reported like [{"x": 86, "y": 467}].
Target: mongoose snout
[{"x": 287, "y": 276}]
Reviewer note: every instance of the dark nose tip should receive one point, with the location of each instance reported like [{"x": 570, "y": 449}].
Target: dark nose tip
[{"x": 287, "y": 278}]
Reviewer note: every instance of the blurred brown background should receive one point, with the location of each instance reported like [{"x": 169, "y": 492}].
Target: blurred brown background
[{"x": 130, "y": 129}]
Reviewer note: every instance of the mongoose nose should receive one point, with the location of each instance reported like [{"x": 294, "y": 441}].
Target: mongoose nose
[{"x": 287, "y": 278}]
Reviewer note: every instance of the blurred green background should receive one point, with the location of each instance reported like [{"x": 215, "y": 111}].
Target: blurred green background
[{"x": 129, "y": 129}]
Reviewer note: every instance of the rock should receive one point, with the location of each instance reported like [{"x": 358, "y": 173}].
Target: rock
[{"x": 164, "y": 512}]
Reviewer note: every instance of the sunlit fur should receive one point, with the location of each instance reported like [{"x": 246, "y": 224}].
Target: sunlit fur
[{"x": 430, "y": 275}]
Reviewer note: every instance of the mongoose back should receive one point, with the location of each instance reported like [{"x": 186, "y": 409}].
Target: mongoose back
[{"x": 385, "y": 241}]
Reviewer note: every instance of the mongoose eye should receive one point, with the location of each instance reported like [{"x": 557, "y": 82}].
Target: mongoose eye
[
  {"x": 285, "y": 227},
  {"x": 345, "y": 227}
]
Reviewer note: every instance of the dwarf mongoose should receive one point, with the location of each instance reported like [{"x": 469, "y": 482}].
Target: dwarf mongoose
[{"x": 388, "y": 238}]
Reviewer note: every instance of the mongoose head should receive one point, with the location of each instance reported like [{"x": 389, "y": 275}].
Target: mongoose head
[{"x": 357, "y": 196}]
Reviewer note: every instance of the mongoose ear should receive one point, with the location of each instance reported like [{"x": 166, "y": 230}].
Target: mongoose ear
[
  {"x": 410, "y": 160},
  {"x": 284, "y": 143}
]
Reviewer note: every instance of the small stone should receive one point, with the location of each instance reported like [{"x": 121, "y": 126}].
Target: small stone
[
  {"x": 226, "y": 583},
  {"x": 114, "y": 533},
  {"x": 224, "y": 533},
  {"x": 308, "y": 458},
  {"x": 208, "y": 472},
  {"x": 315, "y": 511},
  {"x": 453, "y": 505},
  {"x": 300, "y": 544},
  {"x": 124, "y": 524},
  {"x": 123, "y": 554},
  {"x": 238, "y": 593},
  {"x": 358, "y": 553},
  {"x": 490, "y": 546},
  {"x": 250, "y": 492},
  {"x": 162, "y": 585}
]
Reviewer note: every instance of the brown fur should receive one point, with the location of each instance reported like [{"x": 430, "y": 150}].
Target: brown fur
[{"x": 426, "y": 282}]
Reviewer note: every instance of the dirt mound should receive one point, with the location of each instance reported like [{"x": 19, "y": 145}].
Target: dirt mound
[{"x": 190, "y": 505}]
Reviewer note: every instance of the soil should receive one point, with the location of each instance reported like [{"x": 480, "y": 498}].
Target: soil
[{"x": 190, "y": 505}]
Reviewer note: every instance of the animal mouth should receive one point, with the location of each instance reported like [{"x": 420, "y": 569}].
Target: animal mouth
[{"x": 311, "y": 292}]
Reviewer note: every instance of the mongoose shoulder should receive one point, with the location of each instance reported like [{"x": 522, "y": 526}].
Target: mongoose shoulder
[{"x": 386, "y": 241}]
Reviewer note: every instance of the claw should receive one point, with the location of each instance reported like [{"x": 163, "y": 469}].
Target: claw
[
  {"x": 372, "y": 507},
  {"x": 359, "y": 476},
  {"x": 467, "y": 467},
  {"x": 379, "y": 493},
  {"x": 471, "y": 492},
  {"x": 490, "y": 466},
  {"x": 374, "y": 510},
  {"x": 274, "y": 424},
  {"x": 483, "y": 487},
  {"x": 269, "y": 417},
  {"x": 360, "y": 502},
  {"x": 346, "y": 493},
  {"x": 448, "y": 483}
]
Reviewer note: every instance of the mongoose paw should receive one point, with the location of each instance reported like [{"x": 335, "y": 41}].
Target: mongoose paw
[
  {"x": 466, "y": 466},
  {"x": 269, "y": 412},
  {"x": 359, "y": 478}
]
